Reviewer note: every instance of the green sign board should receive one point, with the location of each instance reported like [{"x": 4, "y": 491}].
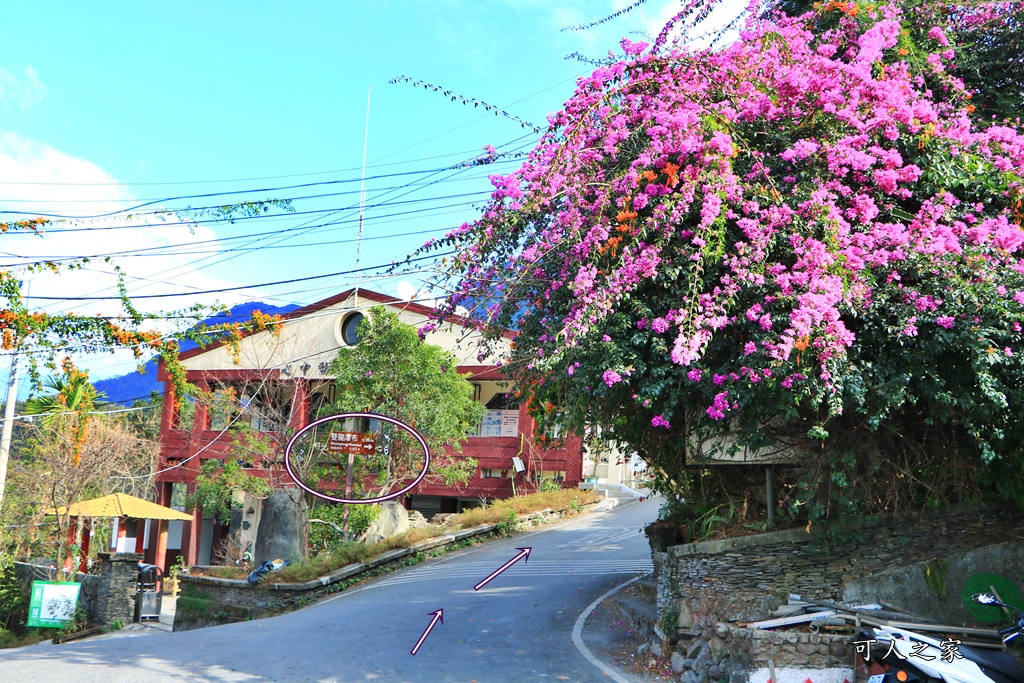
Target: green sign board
[{"x": 53, "y": 603}]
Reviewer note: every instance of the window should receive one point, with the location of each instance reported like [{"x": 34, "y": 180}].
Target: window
[
  {"x": 350, "y": 329},
  {"x": 234, "y": 405},
  {"x": 493, "y": 474}
]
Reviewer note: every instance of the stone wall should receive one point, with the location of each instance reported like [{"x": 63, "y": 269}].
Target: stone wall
[
  {"x": 706, "y": 589},
  {"x": 90, "y": 596},
  {"x": 115, "y": 601}
]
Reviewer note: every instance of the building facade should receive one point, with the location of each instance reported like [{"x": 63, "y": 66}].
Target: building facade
[{"x": 276, "y": 381}]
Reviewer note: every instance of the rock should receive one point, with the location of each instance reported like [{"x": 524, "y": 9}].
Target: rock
[
  {"x": 280, "y": 531},
  {"x": 444, "y": 518},
  {"x": 695, "y": 646},
  {"x": 393, "y": 519},
  {"x": 677, "y": 662},
  {"x": 656, "y": 648},
  {"x": 714, "y": 672},
  {"x": 688, "y": 677},
  {"x": 685, "y": 619},
  {"x": 643, "y": 648},
  {"x": 417, "y": 520}
]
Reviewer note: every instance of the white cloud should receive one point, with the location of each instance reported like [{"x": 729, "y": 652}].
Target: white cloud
[
  {"x": 22, "y": 91},
  {"x": 68, "y": 185},
  {"x": 406, "y": 291}
]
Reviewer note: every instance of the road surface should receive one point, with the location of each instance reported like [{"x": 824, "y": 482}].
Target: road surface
[{"x": 519, "y": 627}]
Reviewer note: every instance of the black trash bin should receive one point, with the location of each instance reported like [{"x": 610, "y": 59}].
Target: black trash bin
[{"x": 148, "y": 592}]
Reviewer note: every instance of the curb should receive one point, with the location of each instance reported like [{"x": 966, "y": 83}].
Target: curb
[
  {"x": 353, "y": 570},
  {"x": 611, "y": 672}
]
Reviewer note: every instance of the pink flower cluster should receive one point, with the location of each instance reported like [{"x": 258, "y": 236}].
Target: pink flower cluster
[{"x": 654, "y": 172}]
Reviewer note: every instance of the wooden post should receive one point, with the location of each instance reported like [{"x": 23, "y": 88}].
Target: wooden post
[
  {"x": 348, "y": 494},
  {"x": 769, "y": 493}
]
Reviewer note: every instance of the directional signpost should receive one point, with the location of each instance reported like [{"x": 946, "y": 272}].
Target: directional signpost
[{"x": 353, "y": 443}]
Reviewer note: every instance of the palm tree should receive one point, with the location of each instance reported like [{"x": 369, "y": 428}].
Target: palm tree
[{"x": 72, "y": 397}]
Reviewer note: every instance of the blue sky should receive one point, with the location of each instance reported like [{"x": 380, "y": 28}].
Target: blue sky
[{"x": 104, "y": 106}]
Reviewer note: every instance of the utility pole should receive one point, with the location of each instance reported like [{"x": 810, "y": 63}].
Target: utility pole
[{"x": 8, "y": 426}]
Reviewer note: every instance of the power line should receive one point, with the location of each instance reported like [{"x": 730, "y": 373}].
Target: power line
[
  {"x": 242, "y": 180},
  {"x": 230, "y": 289},
  {"x": 239, "y": 219},
  {"x": 305, "y": 228}
]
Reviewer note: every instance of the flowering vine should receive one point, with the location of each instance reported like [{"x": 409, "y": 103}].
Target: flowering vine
[{"x": 803, "y": 230}]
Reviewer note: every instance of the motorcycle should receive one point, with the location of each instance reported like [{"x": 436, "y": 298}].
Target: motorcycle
[{"x": 915, "y": 658}]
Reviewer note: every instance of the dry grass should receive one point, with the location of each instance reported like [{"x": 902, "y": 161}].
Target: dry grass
[{"x": 358, "y": 551}]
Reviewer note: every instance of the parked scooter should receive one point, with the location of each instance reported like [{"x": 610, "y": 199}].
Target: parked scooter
[{"x": 911, "y": 657}]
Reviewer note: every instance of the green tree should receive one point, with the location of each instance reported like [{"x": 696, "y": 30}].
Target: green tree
[
  {"x": 218, "y": 485},
  {"x": 393, "y": 373}
]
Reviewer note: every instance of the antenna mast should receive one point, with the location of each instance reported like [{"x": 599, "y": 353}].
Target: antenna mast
[{"x": 362, "y": 196}]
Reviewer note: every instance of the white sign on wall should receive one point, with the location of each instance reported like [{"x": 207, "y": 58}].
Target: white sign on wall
[{"x": 500, "y": 423}]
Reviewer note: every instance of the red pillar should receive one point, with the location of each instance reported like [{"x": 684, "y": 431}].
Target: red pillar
[
  {"x": 140, "y": 536},
  {"x": 190, "y": 537},
  {"x": 191, "y": 529},
  {"x": 167, "y": 411},
  {"x": 83, "y": 565},
  {"x": 161, "y": 545},
  {"x": 69, "y": 561},
  {"x": 300, "y": 403},
  {"x": 122, "y": 532}
]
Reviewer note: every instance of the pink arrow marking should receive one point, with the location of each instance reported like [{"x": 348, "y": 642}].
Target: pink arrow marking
[
  {"x": 524, "y": 555},
  {"x": 438, "y": 616}
]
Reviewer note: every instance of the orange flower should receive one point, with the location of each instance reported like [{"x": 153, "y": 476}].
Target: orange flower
[
  {"x": 649, "y": 175},
  {"x": 672, "y": 171},
  {"x": 613, "y": 244},
  {"x": 801, "y": 343},
  {"x": 625, "y": 216}
]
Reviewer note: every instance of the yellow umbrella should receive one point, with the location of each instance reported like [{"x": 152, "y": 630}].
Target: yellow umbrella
[{"x": 119, "y": 505}]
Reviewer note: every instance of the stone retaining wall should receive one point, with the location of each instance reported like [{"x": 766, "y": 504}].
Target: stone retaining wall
[{"x": 706, "y": 589}]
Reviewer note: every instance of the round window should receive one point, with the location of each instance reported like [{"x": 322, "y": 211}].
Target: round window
[{"x": 349, "y": 329}]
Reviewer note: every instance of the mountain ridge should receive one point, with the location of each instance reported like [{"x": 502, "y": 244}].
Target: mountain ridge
[{"x": 135, "y": 386}]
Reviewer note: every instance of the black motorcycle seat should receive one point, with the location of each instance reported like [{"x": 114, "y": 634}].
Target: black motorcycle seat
[{"x": 996, "y": 660}]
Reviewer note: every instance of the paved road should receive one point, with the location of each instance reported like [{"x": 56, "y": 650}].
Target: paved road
[{"x": 517, "y": 628}]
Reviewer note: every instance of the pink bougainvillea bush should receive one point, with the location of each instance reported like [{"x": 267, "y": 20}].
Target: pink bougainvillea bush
[{"x": 802, "y": 238}]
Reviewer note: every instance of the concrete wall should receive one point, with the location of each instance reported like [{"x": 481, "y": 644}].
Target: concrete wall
[
  {"x": 909, "y": 588},
  {"x": 316, "y": 338}
]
